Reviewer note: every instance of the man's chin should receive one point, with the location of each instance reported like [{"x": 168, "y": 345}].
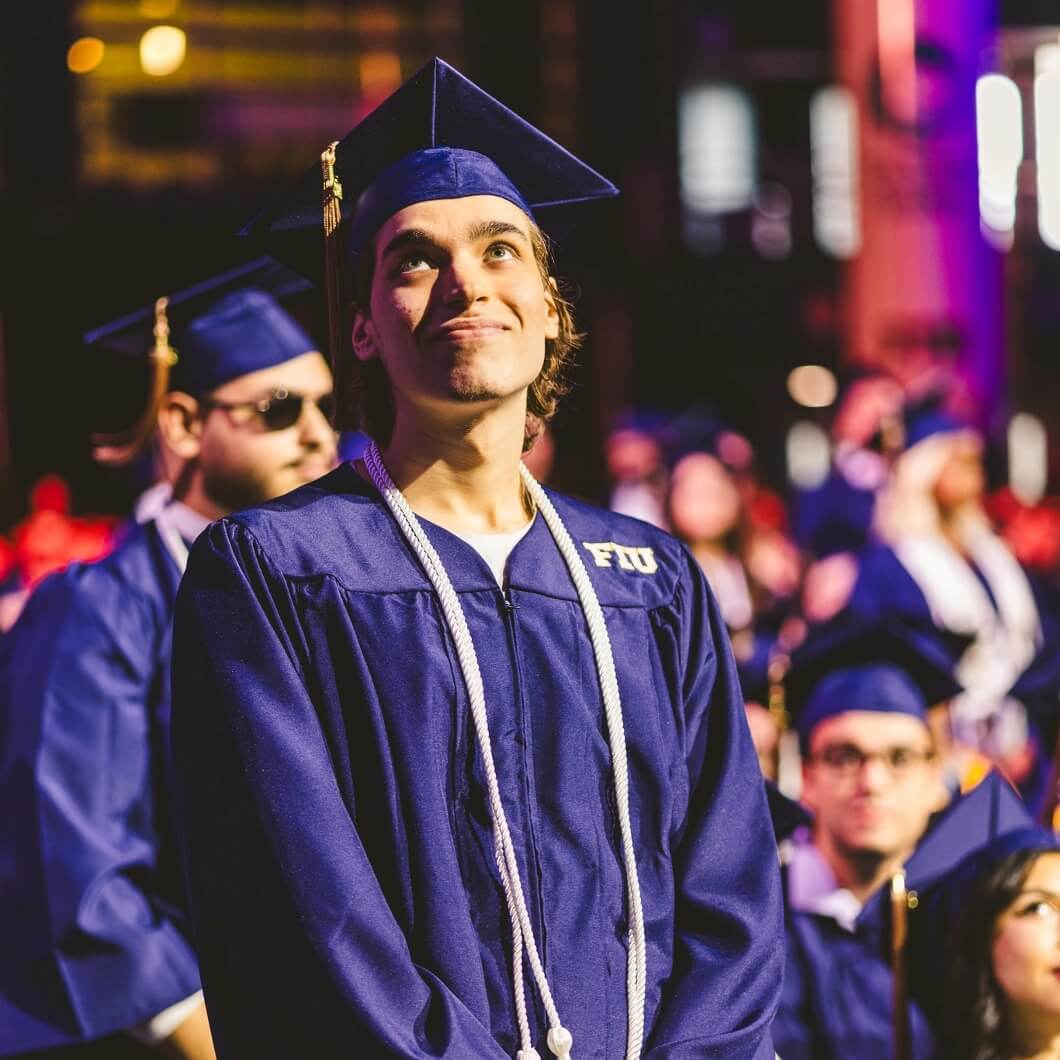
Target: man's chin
[{"x": 872, "y": 843}]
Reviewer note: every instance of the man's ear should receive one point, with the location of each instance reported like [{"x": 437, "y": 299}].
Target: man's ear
[
  {"x": 551, "y": 311},
  {"x": 808, "y": 795},
  {"x": 363, "y": 339},
  {"x": 180, "y": 424}
]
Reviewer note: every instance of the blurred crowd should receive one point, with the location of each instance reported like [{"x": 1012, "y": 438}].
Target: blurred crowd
[{"x": 905, "y": 526}]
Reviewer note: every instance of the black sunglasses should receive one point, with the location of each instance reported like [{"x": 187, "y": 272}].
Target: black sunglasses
[{"x": 279, "y": 410}]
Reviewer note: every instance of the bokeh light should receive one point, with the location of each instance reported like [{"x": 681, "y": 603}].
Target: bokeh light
[
  {"x": 162, "y": 50},
  {"x": 999, "y": 127},
  {"x": 85, "y": 55},
  {"x": 808, "y": 455},
  {"x": 812, "y": 385}
]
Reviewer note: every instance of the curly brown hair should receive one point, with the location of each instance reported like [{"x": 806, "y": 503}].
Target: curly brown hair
[{"x": 363, "y": 390}]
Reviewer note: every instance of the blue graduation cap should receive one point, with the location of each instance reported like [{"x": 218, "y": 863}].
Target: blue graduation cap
[
  {"x": 927, "y": 423},
  {"x": 857, "y": 665},
  {"x": 902, "y": 923},
  {"x": 203, "y": 336},
  {"x": 439, "y": 136}
]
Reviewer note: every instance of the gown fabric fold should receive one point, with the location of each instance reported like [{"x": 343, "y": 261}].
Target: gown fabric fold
[{"x": 94, "y": 935}]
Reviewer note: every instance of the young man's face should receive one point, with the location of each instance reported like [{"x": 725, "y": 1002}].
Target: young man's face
[
  {"x": 872, "y": 781},
  {"x": 242, "y": 461},
  {"x": 459, "y": 311}
]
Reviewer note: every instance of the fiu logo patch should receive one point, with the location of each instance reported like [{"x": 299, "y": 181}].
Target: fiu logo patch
[{"x": 627, "y": 557}]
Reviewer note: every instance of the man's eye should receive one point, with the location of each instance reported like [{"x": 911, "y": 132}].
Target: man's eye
[
  {"x": 842, "y": 757},
  {"x": 414, "y": 263},
  {"x": 500, "y": 252},
  {"x": 902, "y": 757}
]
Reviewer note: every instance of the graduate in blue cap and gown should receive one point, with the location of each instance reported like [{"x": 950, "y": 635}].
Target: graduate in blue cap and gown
[
  {"x": 984, "y": 941},
  {"x": 93, "y": 915},
  {"x": 860, "y": 695},
  {"x": 941, "y": 563},
  {"x": 462, "y": 762}
]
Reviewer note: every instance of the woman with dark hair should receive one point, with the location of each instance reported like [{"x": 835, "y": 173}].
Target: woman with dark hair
[{"x": 1002, "y": 986}]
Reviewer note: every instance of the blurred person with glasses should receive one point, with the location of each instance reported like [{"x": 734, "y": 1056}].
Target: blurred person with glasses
[
  {"x": 98, "y": 959},
  {"x": 860, "y": 694}
]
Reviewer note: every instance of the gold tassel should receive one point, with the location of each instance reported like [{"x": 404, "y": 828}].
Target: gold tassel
[
  {"x": 788, "y": 758},
  {"x": 334, "y": 272},
  {"x": 117, "y": 449},
  {"x": 901, "y": 902}
]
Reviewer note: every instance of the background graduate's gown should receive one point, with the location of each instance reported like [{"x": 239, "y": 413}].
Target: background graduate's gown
[
  {"x": 837, "y": 999},
  {"x": 341, "y": 862},
  {"x": 93, "y": 929}
]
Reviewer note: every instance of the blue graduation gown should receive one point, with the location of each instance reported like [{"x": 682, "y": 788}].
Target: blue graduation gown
[
  {"x": 340, "y": 854},
  {"x": 836, "y": 1003},
  {"x": 92, "y": 910}
]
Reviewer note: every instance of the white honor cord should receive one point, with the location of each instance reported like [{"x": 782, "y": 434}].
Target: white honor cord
[
  {"x": 637, "y": 961},
  {"x": 559, "y": 1038}
]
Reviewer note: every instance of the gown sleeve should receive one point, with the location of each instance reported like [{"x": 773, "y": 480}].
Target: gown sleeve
[
  {"x": 300, "y": 953},
  {"x": 81, "y": 670},
  {"x": 728, "y": 945}
]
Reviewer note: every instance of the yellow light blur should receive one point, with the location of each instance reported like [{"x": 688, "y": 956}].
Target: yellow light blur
[
  {"x": 812, "y": 385},
  {"x": 162, "y": 50},
  {"x": 380, "y": 73},
  {"x": 85, "y": 55},
  {"x": 158, "y": 8}
]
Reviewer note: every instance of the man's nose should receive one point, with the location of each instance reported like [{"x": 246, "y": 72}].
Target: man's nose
[
  {"x": 462, "y": 280},
  {"x": 314, "y": 428},
  {"x": 873, "y": 774}
]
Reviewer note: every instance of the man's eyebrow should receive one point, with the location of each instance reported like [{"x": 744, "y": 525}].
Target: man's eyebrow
[
  {"x": 419, "y": 237},
  {"x": 489, "y": 229},
  {"x": 410, "y": 237}
]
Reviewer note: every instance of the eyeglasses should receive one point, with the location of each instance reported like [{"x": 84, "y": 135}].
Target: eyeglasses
[
  {"x": 846, "y": 760},
  {"x": 278, "y": 410}
]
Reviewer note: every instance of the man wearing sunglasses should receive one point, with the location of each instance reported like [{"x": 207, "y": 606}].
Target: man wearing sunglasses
[
  {"x": 97, "y": 959},
  {"x": 872, "y": 779}
]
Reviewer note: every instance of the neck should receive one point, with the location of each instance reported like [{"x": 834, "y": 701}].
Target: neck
[
  {"x": 860, "y": 873},
  {"x": 1036, "y": 1040},
  {"x": 462, "y": 476},
  {"x": 959, "y": 524},
  {"x": 188, "y": 489}
]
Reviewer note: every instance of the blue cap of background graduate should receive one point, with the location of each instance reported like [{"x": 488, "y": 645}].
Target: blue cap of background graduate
[
  {"x": 439, "y": 136},
  {"x": 849, "y": 665},
  {"x": 946, "y": 909},
  {"x": 928, "y": 423},
  {"x": 202, "y": 337}
]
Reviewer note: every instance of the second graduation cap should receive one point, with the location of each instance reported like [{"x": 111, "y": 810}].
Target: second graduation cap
[
  {"x": 849, "y": 665},
  {"x": 203, "y": 336}
]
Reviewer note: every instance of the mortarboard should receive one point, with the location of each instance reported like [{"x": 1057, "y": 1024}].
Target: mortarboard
[
  {"x": 855, "y": 665},
  {"x": 699, "y": 429},
  {"x": 201, "y": 337},
  {"x": 439, "y": 136},
  {"x": 902, "y": 921},
  {"x": 927, "y": 423}
]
